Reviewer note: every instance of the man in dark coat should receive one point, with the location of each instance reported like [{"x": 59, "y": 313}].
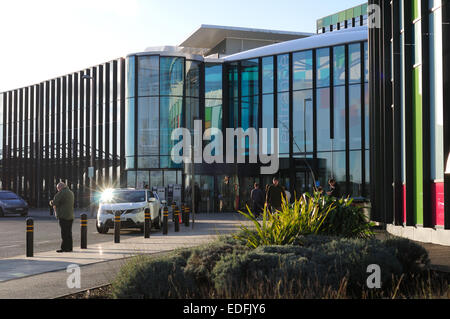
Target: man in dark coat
[
  {"x": 334, "y": 189},
  {"x": 63, "y": 203},
  {"x": 258, "y": 198},
  {"x": 275, "y": 195}
]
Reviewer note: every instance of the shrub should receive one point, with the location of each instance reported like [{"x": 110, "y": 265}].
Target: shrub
[
  {"x": 345, "y": 219},
  {"x": 150, "y": 277},
  {"x": 412, "y": 256},
  {"x": 319, "y": 267},
  {"x": 316, "y": 266},
  {"x": 203, "y": 259}
]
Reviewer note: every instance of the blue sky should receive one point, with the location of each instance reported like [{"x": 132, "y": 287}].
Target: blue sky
[{"x": 44, "y": 39}]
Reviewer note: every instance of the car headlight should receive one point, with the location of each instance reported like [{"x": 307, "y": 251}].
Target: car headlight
[{"x": 106, "y": 196}]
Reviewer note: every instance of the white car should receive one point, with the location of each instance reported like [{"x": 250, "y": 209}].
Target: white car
[{"x": 131, "y": 203}]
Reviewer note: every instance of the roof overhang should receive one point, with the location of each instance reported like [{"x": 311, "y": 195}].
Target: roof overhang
[{"x": 208, "y": 36}]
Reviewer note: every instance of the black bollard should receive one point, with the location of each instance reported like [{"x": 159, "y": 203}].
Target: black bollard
[
  {"x": 177, "y": 219},
  {"x": 165, "y": 220},
  {"x": 188, "y": 212},
  {"x": 183, "y": 214},
  {"x": 147, "y": 223},
  {"x": 117, "y": 228},
  {"x": 173, "y": 211},
  {"x": 83, "y": 224},
  {"x": 30, "y": 235}
]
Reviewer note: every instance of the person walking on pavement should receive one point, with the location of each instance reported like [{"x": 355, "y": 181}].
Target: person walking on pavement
[
  {"x": 257, "y": 197},
  {"x": 63, "y": 204},
  {"x": 275, "y": 195}
]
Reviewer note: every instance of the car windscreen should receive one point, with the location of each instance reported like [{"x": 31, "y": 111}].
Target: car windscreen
[
  {"x": 125, "y": 197},
  {"x": 6, "y": 196}
]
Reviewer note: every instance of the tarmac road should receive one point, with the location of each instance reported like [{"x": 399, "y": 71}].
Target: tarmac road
[{"x": 47, "y": 234}]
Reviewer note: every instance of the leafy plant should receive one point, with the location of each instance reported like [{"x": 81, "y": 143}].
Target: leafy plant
[
  {"x": 305, "y": 216},
  {"x": 346, "y": 219}
]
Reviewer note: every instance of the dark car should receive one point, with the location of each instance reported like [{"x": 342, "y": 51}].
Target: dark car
[{"x": 10, "y": 203}]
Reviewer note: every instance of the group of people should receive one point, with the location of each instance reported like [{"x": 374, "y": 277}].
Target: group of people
[{"x": 275, "y": 194}]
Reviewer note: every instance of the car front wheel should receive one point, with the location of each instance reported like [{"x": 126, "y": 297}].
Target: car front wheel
[{"x": 102, "y": 229}]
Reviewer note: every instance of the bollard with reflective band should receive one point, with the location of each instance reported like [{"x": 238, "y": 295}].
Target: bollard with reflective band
[
  {"x": 177, "y": 219},
  {"x": 147, "y": 223},
  {"x": 183, "y": 213},
  {"x": 173, "y": 211},
  {"x": 117, "y": 227},
  {"x": 188, "y": 212},
  {"x": 29, "y": 237},
  {"x": 165, "y": 220},
  {"x": 83, "y": 224}
]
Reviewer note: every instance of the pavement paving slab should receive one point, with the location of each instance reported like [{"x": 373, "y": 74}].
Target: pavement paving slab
[{"x": 19, "y": 271}]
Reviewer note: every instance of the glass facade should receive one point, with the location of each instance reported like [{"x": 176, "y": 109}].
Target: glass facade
[{"x": 120, "y": 118}]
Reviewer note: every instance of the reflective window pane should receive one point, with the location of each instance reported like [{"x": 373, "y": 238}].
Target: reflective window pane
[
  {"x": 170, "y": 178},
  {"x": 213, "y": 81},
  {"x": 192, "y": 78},
  {"x": 170, "y": 118},
  {"x": 302, "y": 69},
  {"x": 213, "y": 114},
  {"x": 156, "y": 178},
  {"x": 339, "y": 65},
  {"x": 268, "y": 121},
  {"x": 339, "y": 169},
  {"x": 302, "y": 124},
  {"x": 171, "y": 76},
  {"x": 131, "y": 179},
  {"x": 354, "y": 62},
  {"x": 355, "y": 174},
  {"x": 130, "y": 76},
  {"x": 142, "y": 179},
  {"x": 267, "y": 75},
  {"x": 129, "y": 128},
  {"x": 323, "y": 67},
  {"x": 283, "y": 122},
  {"x": 323, "y": 120},
  {"x": 283, "y": 72},
  {"x": 148, "y": 75},
  {"x": 249, "y": 112},
  {"x": 148, "y": 126},
  {"x": 249, "y": 76},
  {"x": 339, "y": 119},
  {"x": 355, "y": 116}
]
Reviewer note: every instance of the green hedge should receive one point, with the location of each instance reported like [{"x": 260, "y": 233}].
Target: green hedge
[{"x": 311, "y": 268}]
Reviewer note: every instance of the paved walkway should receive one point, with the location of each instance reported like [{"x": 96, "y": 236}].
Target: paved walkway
[{"x": 44, "y": 275}]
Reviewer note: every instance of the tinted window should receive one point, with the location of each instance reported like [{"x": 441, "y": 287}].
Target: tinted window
[
  {"x": 8, "y": 196},
  {"x": 126, "y": 197}
]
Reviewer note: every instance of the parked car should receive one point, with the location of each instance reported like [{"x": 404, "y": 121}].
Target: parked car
[
  {"x": 12, "y": 204},
  {"x": 131, "y": 203}
]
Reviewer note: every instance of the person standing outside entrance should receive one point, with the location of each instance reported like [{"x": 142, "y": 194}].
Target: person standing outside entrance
[
  {"x": 258, "y": 198},
  {"x": 275, "y": 195},
  {"x": 63, "y": 203},
  {"x": 334, "y": 189}
]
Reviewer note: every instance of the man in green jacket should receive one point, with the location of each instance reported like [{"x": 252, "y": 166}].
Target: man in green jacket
[{"x": 63, "y": 203}]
